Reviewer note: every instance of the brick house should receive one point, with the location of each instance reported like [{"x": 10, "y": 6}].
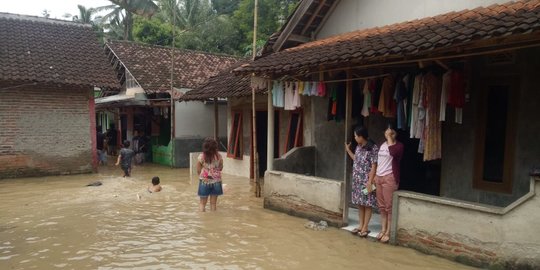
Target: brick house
[
  {"x": 47, "y": 77},
  {"x": 144, "y": 104},
  {"x": 476, "y": 203}
]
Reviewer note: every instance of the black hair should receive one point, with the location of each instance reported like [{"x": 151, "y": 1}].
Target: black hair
[
  {"x": 155, "y": 180},
  {"x": 361, "y": 131},
  {"x": 126, "y": 143},
  {"x": 391, "y": 126},
  {"x": 99, "y": 128}
]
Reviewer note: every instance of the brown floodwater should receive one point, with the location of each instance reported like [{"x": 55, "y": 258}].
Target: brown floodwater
[{"x": 58, "y": 223}]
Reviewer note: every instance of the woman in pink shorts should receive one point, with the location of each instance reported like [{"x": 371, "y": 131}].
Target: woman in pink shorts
[{"x": 387, "y": 179}]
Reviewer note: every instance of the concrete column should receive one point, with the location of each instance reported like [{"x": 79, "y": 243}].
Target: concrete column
[
  {"x": 346, "y": 170},
  {"x": 270, "y": 137},
  {"x": 216, "y": 120},
  {"x": 130, "y": 127}
]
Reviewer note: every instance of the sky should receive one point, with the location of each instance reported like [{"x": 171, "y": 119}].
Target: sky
[{"x": 56, "y": 8}]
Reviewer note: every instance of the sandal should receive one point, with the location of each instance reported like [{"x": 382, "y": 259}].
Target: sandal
[
  {"x": 364, "y": 234},
  {"x": 380, "y": 235},
  {"x": 385, "y": 239},
  {"x": 355, "y": 231}
]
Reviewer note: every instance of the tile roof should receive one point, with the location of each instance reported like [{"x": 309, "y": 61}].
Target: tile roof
[
  {"x": 53, "y": 51},
  {"x": 151, "y": 65},
  {"x": 223, "y": 85},
  {"x": 411, "y": 38}
]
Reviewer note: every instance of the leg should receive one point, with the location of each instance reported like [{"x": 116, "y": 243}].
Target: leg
[
  {"x": 380, "y": 204},
  {"x": 388, "y": 192},
  {"x": 367, "y": 218},
  {"x": 360, "y": 217},
  {"x": 202, "y": 204},
  {"x": 213, "y": 202}
]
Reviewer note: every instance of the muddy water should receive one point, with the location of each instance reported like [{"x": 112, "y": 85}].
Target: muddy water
[{"x": 57, "y": 223}]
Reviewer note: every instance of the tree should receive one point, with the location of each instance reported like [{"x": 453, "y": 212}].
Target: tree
[
  {"x": 122, "y": 13},
  {"x": 272, "y": 15},
  {"x": 153, "y": 31},
  {"x": 85, "y": 15},
  {"x": 45, "y": 13}
]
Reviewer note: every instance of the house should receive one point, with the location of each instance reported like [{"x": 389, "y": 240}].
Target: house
[
  {"x": 144, "y": 105},
  {"x": 48, "y": 74},
  {"x": 469, "y": 197}
]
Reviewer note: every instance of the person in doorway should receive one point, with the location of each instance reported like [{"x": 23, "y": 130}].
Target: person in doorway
[
  {"x": 155, "y": 187},
  {"x": 387, "y": 179},
  {"x": 112, "y": 136},
  {"x": 209, "y": 167},
  {"x": 364, "y": 168},
  {"x": 125, "y": 159},
  {"x": 100, "y": 138}
]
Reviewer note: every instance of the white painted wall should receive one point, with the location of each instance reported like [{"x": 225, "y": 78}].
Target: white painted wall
[
  {"x": 351, "y": 15},
  {"x": 196, "y": 119}
]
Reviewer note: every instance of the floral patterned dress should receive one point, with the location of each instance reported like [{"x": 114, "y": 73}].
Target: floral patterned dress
[{"x": 363, "y": 160}]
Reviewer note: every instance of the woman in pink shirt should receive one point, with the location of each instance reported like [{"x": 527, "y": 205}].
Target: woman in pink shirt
[{"x": 387, "y": 179}]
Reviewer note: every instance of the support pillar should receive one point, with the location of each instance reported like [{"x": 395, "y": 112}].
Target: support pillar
[
  {"x": 270, "y": 136},
  {"x": 216, "y": 120},
  {"x": 347, "y": 162}
]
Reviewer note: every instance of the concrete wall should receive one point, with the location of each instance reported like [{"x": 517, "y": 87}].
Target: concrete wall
[
  {"x": 352, "y": 15},
  {"x": 186, "y": 145},
  {"x": 459, "y": 140},
  {"x": 474, "y": 234},
  {"x": 45, "y": 129},
  {"x": 300, "y": 160},
  {"x": 196, "y": 119},
  {"x": 231, "y": 166},
  {"x": 304, "y": 196}
]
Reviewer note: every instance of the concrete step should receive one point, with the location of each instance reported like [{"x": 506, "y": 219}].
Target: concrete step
[{"x": 374, "y": 224}]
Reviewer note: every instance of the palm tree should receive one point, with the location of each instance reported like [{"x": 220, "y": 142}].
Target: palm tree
[
  {"x": 122, "y": 11},
  {"x": 85, "y": 15}
]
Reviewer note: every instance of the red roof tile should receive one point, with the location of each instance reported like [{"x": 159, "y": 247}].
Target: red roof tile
[
  {"x": 405, "y": 39},
  {"x": 52, "y": 51},
  {"x": 151, "y": 65}
]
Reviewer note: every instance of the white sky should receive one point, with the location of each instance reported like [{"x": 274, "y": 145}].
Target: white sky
[{"x": 56, "y": 8}]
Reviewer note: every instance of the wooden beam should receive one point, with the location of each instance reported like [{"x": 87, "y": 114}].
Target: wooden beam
[
  {"x": 326, "y": 16},
  {"x": 313, "y": 16},
  {"x": 291, "y": 24},
  {"x": 347, "y": 161},
  {"x": 298, "y": 38}
]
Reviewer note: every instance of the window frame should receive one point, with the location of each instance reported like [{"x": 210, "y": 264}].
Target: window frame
[
  {"x": 238, "y": 144},
  {"x": 298, "y": 137},
  {"x": 510, "y": 137}
]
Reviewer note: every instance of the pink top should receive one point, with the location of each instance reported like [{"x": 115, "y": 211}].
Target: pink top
[
  {"x": 210, "y": 173},
  {"x": 384, "y": 161}
]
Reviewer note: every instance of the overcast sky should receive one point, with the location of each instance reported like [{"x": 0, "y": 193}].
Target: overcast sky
[{"x": 56, "y": 8}]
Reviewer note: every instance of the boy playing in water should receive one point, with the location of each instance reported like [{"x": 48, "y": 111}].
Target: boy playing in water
[
  {"x": 155, "y": 187},
  {"x": 124, "y": 159}
]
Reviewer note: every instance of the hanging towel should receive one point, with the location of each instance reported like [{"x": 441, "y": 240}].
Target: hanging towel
[
  {"x": 296, "y": 97},
  {"x": 367, "y": 99},
  {"x": 277, "y": 94},
  {"x": 300, "y": 88},
  {"x": 446, "y": 81},
  {"x": 321, "y": 90},
  {"x": 289, "y": 96}
]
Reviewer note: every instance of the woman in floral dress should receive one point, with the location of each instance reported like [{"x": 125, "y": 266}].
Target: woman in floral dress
[{"x": 364, "y": 168}]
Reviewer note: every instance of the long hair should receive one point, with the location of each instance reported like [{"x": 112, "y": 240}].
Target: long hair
[
  {"x": 362, "y": 131},
  {"x": 210, "y": 150}
]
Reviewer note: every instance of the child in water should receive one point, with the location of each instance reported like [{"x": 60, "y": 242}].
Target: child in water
[
  {"x": 125, "y": 158},
  {"x": 155, "y": 187}
]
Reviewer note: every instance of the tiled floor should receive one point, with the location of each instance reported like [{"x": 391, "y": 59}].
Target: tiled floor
[{"x": 374, "y": 224}]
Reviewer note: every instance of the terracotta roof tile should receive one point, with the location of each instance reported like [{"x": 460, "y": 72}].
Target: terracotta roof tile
[
  {"x": 151, "y": 65},
  {"x": 406, "y": 38},
  {"x": 52, "y": 51}
]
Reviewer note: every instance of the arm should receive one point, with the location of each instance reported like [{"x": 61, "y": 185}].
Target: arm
[
  {"x": 396, "y": 150},
  {"x": 220, "y": 163},
  {"x": 199, "y": 168},
  {"x": 348, "y": 150},
  {"x": 118, "y": 160}
]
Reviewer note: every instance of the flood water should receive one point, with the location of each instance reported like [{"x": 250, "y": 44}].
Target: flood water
[{"x": 58, "y": 223}]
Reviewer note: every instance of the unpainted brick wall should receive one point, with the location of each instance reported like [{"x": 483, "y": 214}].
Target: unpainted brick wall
[{"x": 45, "y": 129}]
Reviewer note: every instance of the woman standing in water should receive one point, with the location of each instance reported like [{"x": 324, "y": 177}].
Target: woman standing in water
[
  {"x": 364, "y": 167},
  {"x": 209, "y": 168},
  {"x": 387, "y": 179}
]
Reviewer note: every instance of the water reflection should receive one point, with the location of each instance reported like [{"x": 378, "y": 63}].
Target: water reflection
[{"x": 58, "y": 223}]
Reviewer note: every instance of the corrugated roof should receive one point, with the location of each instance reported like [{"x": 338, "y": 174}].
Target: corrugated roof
[{"x": 53, "y": 51}]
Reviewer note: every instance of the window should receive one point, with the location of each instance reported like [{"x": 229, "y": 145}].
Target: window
[
  {"x": 234, "y": 149},
  {"x": 495, "y": 139},
  {"x": 294, "y": 132}
]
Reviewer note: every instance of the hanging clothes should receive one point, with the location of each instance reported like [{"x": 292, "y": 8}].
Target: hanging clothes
[
  {"x": 446, "y": 79},
  {"x": 289, "y": 96},
  {"x": 357, "y": 99},
  {"x": 410, "y": 87},
  {"x": 259, "y": 83},
  {"x": 296, "y": 97},
  {"x": 456, "y": 96},
  {"x": 375, "y": 88},
  {"x": 341, "y": 101},
  {"x": 313, "y": 90},
  {"x": 400, "y": 97},
  {"x": 414, "y": 107},
  {"x": 277, "y": 94},
  {"x": 432, "y": 132},
  {"x": 307, "y": 89},
  {"x": 386, "y": 101},
  {"x": 300, "y": 88},
  {"x": 367, "y": 99},
  {"x": 321, "y": 89},
  {"x": 332, "y": 103}
]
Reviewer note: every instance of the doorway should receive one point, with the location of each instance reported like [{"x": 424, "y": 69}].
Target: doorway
[{"x": 262, "y": 139}]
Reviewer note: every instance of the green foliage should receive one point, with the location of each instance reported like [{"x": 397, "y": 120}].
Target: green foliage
[
  {"x": 224, "y": 26},
  {"x": 153, "y": 31}
]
